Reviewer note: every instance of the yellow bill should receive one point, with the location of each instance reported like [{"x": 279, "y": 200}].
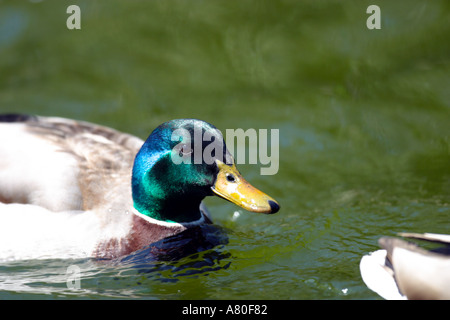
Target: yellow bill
[{"x": 231, "y": 186}]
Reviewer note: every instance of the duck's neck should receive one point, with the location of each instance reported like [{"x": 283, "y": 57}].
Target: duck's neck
[{"x": 177, "y": 210}]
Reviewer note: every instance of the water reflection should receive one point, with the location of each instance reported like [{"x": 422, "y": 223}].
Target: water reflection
[{"x": 192, "y": 252}]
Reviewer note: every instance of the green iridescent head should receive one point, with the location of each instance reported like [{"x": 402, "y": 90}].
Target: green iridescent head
[{"x": 181, "y": 163}]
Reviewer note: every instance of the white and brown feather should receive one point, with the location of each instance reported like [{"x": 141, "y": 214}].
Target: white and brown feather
[{"x": 77, "y": 175}]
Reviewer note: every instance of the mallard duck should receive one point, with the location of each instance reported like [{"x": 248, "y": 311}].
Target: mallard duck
[
  {"x": 75, "y": 189},
  {"x": 403, "y": 270}
]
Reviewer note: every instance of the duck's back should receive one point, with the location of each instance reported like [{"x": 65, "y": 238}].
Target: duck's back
[{"x": 62, "y": 164}]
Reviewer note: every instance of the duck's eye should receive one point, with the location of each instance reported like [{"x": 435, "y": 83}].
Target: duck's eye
[
  {"x": 185, "y": 150},
  {"x": 230, "y": 177}
]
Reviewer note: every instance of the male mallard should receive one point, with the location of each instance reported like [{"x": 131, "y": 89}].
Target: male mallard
[
  {"x": 76, "y": 189},
  {"x": 402, "y": 270}
]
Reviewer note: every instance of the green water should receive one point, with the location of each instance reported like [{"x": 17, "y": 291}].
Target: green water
[{"x": 363, "y": 117}]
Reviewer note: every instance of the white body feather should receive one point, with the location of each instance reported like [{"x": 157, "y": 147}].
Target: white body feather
[
  {"x": 35, "y": 171},
  {"x": 42, "y": 211},
  {"x": 33, "y": 232},
  {"x": 412, "y": 272},
  {"x": 378, "y": 277}
]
